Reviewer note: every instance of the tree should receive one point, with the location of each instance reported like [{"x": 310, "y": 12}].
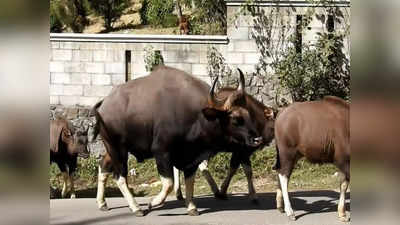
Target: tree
[
  {"x": 70, "y": 14},
  {"x": 110, "y": 10}
]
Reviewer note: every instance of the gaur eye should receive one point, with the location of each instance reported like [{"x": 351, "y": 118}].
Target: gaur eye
[{"x": 237, "y": 121}]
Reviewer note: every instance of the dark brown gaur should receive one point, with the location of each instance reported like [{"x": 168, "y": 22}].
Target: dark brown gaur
[
  {"x": 318, "y": 131},
  {"x": 263, "y": 117},
  {"x": 174, "y": 118},
  {"x": 66, "y": 145}
]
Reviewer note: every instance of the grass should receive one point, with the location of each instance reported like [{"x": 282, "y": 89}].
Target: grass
[{"x": 306, "y": 176}]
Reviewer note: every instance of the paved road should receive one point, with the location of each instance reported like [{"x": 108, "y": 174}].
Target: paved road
[{"x": 313, "y": 207}]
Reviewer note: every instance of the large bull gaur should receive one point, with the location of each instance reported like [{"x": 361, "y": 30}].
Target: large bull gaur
[
  {"x": 319, "y": 131},
  {"x": 175, "y": 118},
  {"x": 66, "y": 144},
  {"x": 263, "y": 117}
]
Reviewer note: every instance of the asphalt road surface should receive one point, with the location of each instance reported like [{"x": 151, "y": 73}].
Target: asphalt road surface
[{"x": 311, "y": 208}]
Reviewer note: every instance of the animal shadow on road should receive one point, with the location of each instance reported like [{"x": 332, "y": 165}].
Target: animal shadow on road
[
  {"x": 92, "y": 192},
  {"x": 266, "y": 201}
]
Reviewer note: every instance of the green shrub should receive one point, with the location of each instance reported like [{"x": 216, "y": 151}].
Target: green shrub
[
  {"x": 152, "y": 58},
  {"x": 170, "y": 21},
  {"x": 110, "y": 10},
  {"x": 317, "y": 71},
  {"x": 155, "y": 12}
]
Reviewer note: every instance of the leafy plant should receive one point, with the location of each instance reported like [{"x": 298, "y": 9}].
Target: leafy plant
[
  {"x": 110, "y": 10},
  {"x": 209, "y": 17},
  {"x": 216, "y": 66},
  {"x": 152, "y": 58},
  {"x": 156, "y": 12}
]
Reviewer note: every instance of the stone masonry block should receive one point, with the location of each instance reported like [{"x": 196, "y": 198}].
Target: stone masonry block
[
  {"x": 170, "y": 56},
  {"x": 80, "y": 78},
  {"x": 72, "y": 90},
  {"x": 188, "y": 57},
  {"x": 69, "y": 100},
  {"x": 82, "y": 55},
  {"x": 251, "y": 58},
  {"x": 54, "y": 100},
  {"x": 60, "y": 78},
  {"x": 88, "y": 101},
  {"x": 56, "y": 89},
  {"x": 245, "y": 46},
  {"x": 62, "y": 55},
  {"x": 240, "y": 33},
  {"x": 117, "y": 79},
  {"x": 101, "y": 79},
  {"x": 97, "y": 91},
  {"x": 56, "y": 67},
  {"x": 94, "y": 67},
  {"x": 234, "y": 58},
  {"x": 199, "y": 69},
  {"x": 115, "y": 67}
]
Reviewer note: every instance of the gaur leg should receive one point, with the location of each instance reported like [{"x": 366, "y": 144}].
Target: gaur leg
[
  {"x": 64, "y": 172},
  {"x": 105, "y": 169},
  {"x": 246, "y": 164},
  {"x": 210, "y": 180},
  {"x": 287, "y": 159},
  {"x": 71, "y": 171},
  {"x": 165, "y": 169},
  {"x": 121, "y": 181},
  {"x": 279, "y": 197},
  {"x": 345, "y": 169},
  {"x": 190, "y": 175},
  {"x": 177, "y": 185},
  {"x": 234, "y": 165}
]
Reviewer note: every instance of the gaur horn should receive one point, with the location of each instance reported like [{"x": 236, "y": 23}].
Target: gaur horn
[{"x": 241, "y": 81}]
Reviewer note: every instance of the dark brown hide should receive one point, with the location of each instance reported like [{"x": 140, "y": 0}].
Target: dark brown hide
[{"x": 167, "y": 115}]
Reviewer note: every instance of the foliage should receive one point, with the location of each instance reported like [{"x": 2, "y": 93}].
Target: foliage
[
  {"x": 110, "y": 10},
  {"x": 69, "y": 14},
  {"x": 216, "y": 66},
  {"x": 209, "y": 17},
  {"x": 55, "y": 23},
  {"x": 319, "y": 70},
  {"x": 152, "y": 58},
  {"x": 156, "y": 12}
]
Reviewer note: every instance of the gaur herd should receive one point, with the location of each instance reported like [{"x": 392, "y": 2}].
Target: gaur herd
[{"x": 181, "y": 121}]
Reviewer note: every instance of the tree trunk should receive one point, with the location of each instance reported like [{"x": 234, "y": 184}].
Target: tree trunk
[{"x": 179, "y": 9}]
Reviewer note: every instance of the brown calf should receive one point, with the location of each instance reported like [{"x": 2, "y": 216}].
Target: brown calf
[
  {"x": 65, "y": 146},
  {"x": 319, "y": 131}
]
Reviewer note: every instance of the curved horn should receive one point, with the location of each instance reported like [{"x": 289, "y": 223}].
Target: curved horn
[
  {"x": 211, "y": 97},
  {"x": 241, "y": 81}
]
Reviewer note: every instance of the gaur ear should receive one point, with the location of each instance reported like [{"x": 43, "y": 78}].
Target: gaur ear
[
  {"x": 55, "y": 136},
  {"x": 269, "y": 113},
  {"x": 212, "y": 114}
]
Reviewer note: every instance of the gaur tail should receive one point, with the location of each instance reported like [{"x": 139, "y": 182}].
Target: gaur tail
[
  {"x": 97, "y": 127},
  {"x": 277, "y": 162},
  {"x": 94, "y": 112}
]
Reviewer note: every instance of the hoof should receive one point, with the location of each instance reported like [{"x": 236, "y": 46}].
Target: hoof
[
  {"x": 138, "y": 213},
  {"x": 221, "y": 196},
  {"x": 292, "y": 217},
  {"x": 193, "y": 212},
  {"x": 104, "y": 208},
  {"x": 281, "y": 210},
  {"x": 344, "y": 218},
  {"x": 73, "y": 196}
]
